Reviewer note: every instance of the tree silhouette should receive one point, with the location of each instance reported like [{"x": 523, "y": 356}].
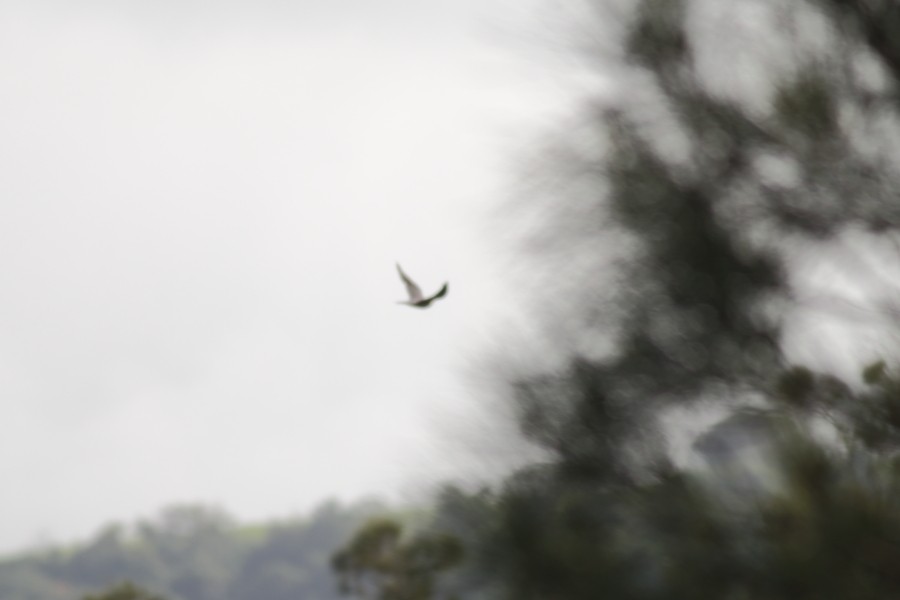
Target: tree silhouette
[
  {"x": 124, "y": 591},
  {"x": 379, "y": 563},
  {"x": 675, "y": 213}
]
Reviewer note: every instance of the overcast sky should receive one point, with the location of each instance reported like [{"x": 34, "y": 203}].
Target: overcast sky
[{"x": 201, "y": 204}]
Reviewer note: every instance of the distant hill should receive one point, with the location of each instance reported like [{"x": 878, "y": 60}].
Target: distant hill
[{"x": 195, "y": 553}]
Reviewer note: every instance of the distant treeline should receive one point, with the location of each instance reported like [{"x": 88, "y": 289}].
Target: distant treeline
[{"x": 195, "y": 553}]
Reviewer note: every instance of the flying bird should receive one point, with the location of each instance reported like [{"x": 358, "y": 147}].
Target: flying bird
[{"x": 415, "y": 293}]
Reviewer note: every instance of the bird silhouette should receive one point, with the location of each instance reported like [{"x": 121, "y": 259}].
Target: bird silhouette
[{"x": 415, "y": 293}]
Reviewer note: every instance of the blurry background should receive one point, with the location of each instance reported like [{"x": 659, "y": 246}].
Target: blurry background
[
  {"x": 201, "y": 205},
  {"x": 667, "y": 366}
]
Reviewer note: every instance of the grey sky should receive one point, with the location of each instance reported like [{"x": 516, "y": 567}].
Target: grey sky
[{"x": 201, "y": 204}]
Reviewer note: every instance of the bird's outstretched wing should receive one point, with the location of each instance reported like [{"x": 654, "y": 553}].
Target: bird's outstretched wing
[
  {"x": 441, "y": 293},
  {"x": 415, "y": 294}
]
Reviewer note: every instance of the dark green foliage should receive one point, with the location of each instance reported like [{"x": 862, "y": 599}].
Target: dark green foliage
[
  {"x": 792, "y": 493},
  {"x": 294, "y": 560},
  {"x": 657, "y": 38},
  {"x": 820, "y": 525},
  {"x": 795, "y": 385},
  {"x": 124, "y": 591},
  {"x": 874, "y": 372},
  {"x": 379, "y": 563},
  {"x": 876, "y": 24},
  {"x": 808, "y": 105}
]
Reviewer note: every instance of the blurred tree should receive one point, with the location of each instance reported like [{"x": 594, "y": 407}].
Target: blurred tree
[
  {"x": 378, "y": 563},
  {"x": 124, "y": 591},
  {"x": 294, "y": 559},
  {"x": 675, "y": 210}
]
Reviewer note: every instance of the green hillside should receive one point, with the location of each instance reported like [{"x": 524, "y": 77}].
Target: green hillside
[{"x": 194, "y": 553}]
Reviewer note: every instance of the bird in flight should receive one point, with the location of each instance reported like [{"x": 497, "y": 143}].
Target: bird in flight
[{"x": 415, "y": 293}]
